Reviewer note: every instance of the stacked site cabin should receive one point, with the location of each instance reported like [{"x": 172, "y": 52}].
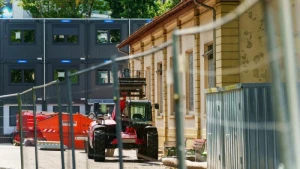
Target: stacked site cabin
[{"x": 35, "y": 51}]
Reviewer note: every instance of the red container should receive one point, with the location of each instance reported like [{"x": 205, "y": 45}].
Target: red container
[
  {"x": 28, "y": 120},
  {"x": 50, "y": 129}
]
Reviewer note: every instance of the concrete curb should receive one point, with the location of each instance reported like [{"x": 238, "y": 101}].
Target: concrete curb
[{"x": 172, "y": 162}]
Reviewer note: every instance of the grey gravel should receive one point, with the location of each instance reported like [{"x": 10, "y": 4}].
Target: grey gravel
[{"x": 10, "y": 159}]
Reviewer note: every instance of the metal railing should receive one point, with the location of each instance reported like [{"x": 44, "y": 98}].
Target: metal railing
[{"x": 288, "y": 138}]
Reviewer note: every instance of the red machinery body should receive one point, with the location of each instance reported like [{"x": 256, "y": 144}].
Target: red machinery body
[
  {"x": 48, "y": 127},
  {"x": 137, "y": 130},
  {"x": 28, "y": 125}
]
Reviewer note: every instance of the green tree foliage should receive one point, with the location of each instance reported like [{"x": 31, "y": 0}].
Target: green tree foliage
[
  {"x": 139, "y": 8},
  {"x": 2, "y": 3},
  {"x": 63, "y": 8},
  {"x": 133, "y": 8},
  {"x": 84, "y": 8},
  {"x": 169, "y": 4}
]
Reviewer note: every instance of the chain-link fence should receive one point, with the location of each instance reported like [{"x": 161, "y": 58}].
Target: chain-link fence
[
  {"x": 129, "y": 109},
  {"x": 42, "y": 130}
]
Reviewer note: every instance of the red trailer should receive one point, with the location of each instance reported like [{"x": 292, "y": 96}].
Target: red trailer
[
  {"x": 28, "y": 125},
  {"x": 48, "y": 127}
]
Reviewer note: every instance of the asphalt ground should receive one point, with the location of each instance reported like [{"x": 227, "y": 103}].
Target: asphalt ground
[{"x": 10, "y": 159}]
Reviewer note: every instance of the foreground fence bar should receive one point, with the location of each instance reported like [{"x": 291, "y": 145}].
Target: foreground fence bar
[
  {"x": 35, "y": 128},
  {"x": 288, "y": 47},
  {"x": 71, "y": 119},
  {"x": 279, "y": 104},
  {"x": 118, "y": 113},
  {"x": 178, "y": 107},
  {"x": 61, "y": 136},
  {"x": 21, "y": 130}
]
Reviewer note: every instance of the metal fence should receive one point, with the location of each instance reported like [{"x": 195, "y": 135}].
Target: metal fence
[
  {"x": 240, "y": 129},
  {"x": 27, "y": 110}
]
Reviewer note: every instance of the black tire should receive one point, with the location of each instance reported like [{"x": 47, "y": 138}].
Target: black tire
[
  {"x": 11, "y": 138},
  {"x": 90, "y": 151},
  {"x": 99, "y": 145},
  {"x": 141, "y": 151},
  {"x": 152, "y": 144}
]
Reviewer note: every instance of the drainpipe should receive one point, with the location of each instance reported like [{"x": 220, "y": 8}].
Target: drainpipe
[
  {"x": 214, "y": 34},
  {"x": 122, "y": 51}
]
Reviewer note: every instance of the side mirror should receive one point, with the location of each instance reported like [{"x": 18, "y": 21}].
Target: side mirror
[{"x": 156, "y": 106}]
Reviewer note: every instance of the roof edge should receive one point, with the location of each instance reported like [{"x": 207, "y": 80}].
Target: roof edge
[{"x": 156, "y": 21}]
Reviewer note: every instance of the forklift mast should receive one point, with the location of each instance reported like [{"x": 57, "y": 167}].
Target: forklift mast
[{"x": 131, "y": 86}]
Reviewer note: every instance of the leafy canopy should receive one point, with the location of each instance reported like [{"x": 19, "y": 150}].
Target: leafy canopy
[
  {"x": 62, "y": 8},
  {"x": 139, "y": 8},
  {"x": 84, "y": 8},
  {"x": 2, "y": 3}
]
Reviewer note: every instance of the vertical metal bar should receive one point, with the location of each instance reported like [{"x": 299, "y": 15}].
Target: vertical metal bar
[
  {"x": 21, "y": 129},
  {"x": 118, "y": 113},
  {"x": 71, "y": 119},
  {"x": 129, "y": 32},
  {"x": 35, "y": 127},
  {"x": 280, "y": 116},
  {"x": 180, "y": 146},
  {"x": 290, "y": 73},
  {"x": 61, "y": 136},
  {"x": 44, "y": 59}
]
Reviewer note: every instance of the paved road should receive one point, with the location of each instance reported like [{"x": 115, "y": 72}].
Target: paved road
[{"x": 10, "y": 159}]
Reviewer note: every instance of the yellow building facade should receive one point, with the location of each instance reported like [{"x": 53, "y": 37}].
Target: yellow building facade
[{"x": 240, "y": 58}]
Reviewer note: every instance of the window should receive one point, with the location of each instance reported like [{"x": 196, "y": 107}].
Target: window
[
  {"x": 22, "y": 76},
  {"x": 72, "y": 38},
  {"x": 59, "y": 38},
  {"x": 160, "y": 88},
  {"x": 148, "y": 82},
  {"x": 75, "y": 109},
  {"x": 190, "y": 81},
  {"x": 61, "y": 74},
  {"x": 108, "y": 36},
  {"x": 22, "y": 36},
  {"x": 13, "y": 110},
  {"x": 28, "y": 36},
  {"x": 65, "y": 39},
  {"x": 104, "y": 77},
  {"x": 211, "y": 75},
  {"x": 140, "y": 112},
  {"x": 102, "y": 36},
  {"x": 15, "y": 36},
  {"x": 171, "y": 91}
]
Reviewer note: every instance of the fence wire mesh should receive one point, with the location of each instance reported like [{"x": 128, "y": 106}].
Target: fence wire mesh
[{"x": 246, "y": 126}]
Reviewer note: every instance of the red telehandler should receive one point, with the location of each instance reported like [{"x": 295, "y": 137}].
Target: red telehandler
[{"x": 138, "y": 130}]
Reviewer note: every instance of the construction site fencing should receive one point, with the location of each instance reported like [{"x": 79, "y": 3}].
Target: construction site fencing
[
  {"x": 241, "y": 127},
  {"x": 229, "y": 132},
  {"x": 31, "y": 128}
]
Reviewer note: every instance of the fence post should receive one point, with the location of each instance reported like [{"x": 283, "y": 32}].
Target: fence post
[
  {"x": 71, "y": 118},
  {"x": 1, "y": 116},
  {"x": 35, "y": 126},
  {"x": 118, "y": 114},
  {"x": 61, "y": 136},
  {"x": 20, "y": 129},
  {"x": 290, "y": 63},
  {"x": 180, "y": 146}
]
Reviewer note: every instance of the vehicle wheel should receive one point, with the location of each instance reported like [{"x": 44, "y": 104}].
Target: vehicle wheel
[
  {"x": 99, "y": 145},
  {"x": 141, "y": 151},
  {"x": 16, "y": 139},
  {"x": 11, "y": 138},
  {"x": 90, "y": 151},
  {"x": 152, "y": 144}
]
